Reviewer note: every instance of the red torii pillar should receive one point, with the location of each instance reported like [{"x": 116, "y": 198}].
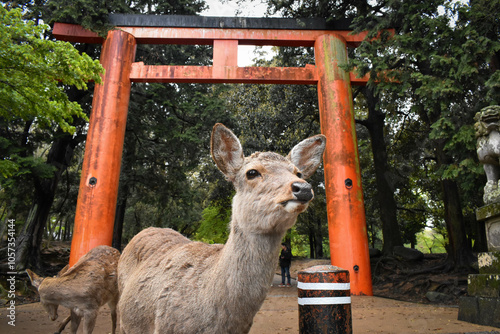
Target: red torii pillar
[
  {"x": 100, "y": 173},
  {"x": 98, "y": 193},
  {"x": 344, "y": 193}
]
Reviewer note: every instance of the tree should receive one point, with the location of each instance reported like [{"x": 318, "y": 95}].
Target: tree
[
  {"x": 167, "y": 125},
  {"x": 375, "y": 123},
  {"x": 34, "y": 110},
  {"x": 33, "y": 75},
  {"x": 441, "y": 68}
]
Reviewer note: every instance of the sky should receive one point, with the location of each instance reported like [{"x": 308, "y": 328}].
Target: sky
[
  {"x": 229, "y": 8},
  {"x": 254, "y": 8}
]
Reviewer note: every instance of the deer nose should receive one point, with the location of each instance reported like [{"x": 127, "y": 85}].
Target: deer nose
[{"x": 302, "y": 191}]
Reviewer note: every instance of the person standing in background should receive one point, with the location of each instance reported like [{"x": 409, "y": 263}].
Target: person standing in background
[{"x": 285, "y": 262}]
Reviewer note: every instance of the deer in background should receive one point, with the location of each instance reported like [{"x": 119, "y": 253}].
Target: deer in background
[
  {"x": 83, "y": 288},
  {"x": 169, "y": 284}
]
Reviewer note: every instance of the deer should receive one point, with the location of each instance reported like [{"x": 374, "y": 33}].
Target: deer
[
  {"x": 83, "y": 288},
  {"x": 170, "y": 284}
]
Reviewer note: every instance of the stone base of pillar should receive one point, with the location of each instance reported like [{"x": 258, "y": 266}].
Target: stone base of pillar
[
  {"x": 482, "y": 305},
  {"x": 490, "y": 214}
]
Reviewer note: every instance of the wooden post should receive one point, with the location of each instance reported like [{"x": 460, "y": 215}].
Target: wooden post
[
  {"x": 324, "y": 301},
  {"x": 344, "y": 193},
  {"x": 95, "y": 211},
  {"x": 225, "y": 54}
]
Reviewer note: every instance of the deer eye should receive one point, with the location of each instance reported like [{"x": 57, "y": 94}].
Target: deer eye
[
  {"x": 299, "y": 175},
  {"x": 252, "y": 174}
]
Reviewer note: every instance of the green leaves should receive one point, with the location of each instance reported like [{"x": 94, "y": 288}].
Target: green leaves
[
  {"x": 214, "y": 226},
  {"x": 34, "y": 72}
]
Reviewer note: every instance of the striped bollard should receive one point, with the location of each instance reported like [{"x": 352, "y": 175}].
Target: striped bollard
[{"x": 324, "y": 300}]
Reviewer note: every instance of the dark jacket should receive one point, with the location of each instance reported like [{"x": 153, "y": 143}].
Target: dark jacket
[{"x": 285, "y": 258}]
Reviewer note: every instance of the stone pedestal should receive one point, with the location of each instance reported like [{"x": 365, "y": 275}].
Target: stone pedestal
[
  {"x": 490, "y": 214},
  {"x": 482, "y": 305}
]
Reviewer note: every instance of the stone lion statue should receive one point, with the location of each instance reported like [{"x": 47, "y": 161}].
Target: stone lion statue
[{"x": 488, "y": 150}]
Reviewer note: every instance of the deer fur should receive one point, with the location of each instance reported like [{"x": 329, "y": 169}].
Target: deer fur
[
  {"x": 169, "y": 284},
  {"x": 83, "y": 289}
]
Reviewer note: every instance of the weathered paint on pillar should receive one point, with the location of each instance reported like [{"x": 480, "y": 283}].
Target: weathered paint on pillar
[
  {"x": 324, "y": 300},
  {"x": 95, "y": 211},
  {"x": 344, "y": 194},
  {"x": 225, "y": 55}
]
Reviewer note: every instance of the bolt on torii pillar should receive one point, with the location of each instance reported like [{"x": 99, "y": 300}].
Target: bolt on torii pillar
[{"x": 100, "y": 174}]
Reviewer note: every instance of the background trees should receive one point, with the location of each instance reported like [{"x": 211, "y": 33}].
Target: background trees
[
  {"x": 442, "y": 70},
  {"x": 39, "y": 123},
  {"x": 416, "y": 140},
  {"x": 440, "y": 67}
]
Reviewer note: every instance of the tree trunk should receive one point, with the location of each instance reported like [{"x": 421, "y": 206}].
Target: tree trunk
[
  {"x": 128, "y": 161},
  {"x": 120, "y": 217},
  {"x": 59, "y": 232},
  {"x": 29, "y": 241},
  {"x": 319, "y": 240},
  {"x": 312, "y": 243},
  {"x": 67, "y": 230},
  {"x": 30, "y": 237},
  {"x": 387, "y": 204},
  {"x": 459, "y": 250}
]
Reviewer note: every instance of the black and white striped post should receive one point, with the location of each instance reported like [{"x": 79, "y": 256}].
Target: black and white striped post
[{"x": 324, "y": 300}]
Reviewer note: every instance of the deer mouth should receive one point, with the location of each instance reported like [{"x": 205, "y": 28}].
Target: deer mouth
[
  {"x": 296, "y": 201},
  {"x": 295, "y": 206}
]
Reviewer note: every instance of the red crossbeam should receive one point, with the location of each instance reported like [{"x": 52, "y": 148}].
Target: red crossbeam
[
  {"x": 75, "y": 33},
  {"x": 206, "y": 36},
  {"x": 225, "y": 42},
  {"x": 230, "y": 74}
]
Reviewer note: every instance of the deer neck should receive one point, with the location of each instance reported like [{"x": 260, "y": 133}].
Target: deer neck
[
  {"x": 252, "y": 253},
  {"x": 51, "y": 290},
  {"x": 247, "y": 263}
]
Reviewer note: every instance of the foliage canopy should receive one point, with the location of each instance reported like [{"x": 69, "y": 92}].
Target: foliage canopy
[{"x": 34, "y": 73}]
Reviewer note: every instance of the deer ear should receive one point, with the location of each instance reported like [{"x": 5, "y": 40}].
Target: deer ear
[
  {"x": 307, "y": 154},
  {"x": 226, "y": 151},
  {"x": 63, "y": 270},
  {"x": 34, "y": 278}
]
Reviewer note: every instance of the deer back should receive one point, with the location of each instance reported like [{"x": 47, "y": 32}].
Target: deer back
[{"x": 90, "y": 283}]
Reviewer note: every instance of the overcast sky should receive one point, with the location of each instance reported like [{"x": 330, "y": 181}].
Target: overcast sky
[{"x": 229, "y": 8}]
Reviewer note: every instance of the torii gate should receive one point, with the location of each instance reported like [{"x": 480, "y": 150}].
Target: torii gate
[{"x": 95, "y": 212}]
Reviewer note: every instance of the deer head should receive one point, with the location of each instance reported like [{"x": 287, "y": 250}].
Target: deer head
[
  {"x": 37, "y": 281},
  {"x": 270, "y": 189}
]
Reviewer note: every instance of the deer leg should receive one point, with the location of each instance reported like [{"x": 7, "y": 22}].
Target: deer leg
[
  {"x": 63, "y": 324},
  {"x": 75, "y": 322},
  {"x": 112, "y": 306},
  {"x": 89, "y": 319}
]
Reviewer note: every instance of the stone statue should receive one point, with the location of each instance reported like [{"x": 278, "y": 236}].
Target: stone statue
[
  {"x": 482, "y": 303},
  {"x": 487, "y": 128}
]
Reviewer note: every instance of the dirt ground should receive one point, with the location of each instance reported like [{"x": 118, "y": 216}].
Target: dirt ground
[
  {"x": 406, "y": 311},
  {"x": 279, "y": 315}
]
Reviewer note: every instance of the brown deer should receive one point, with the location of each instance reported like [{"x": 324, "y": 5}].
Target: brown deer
[
  {"x": 83, "y": 288},
  {"x": 169, "y": 284}
]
